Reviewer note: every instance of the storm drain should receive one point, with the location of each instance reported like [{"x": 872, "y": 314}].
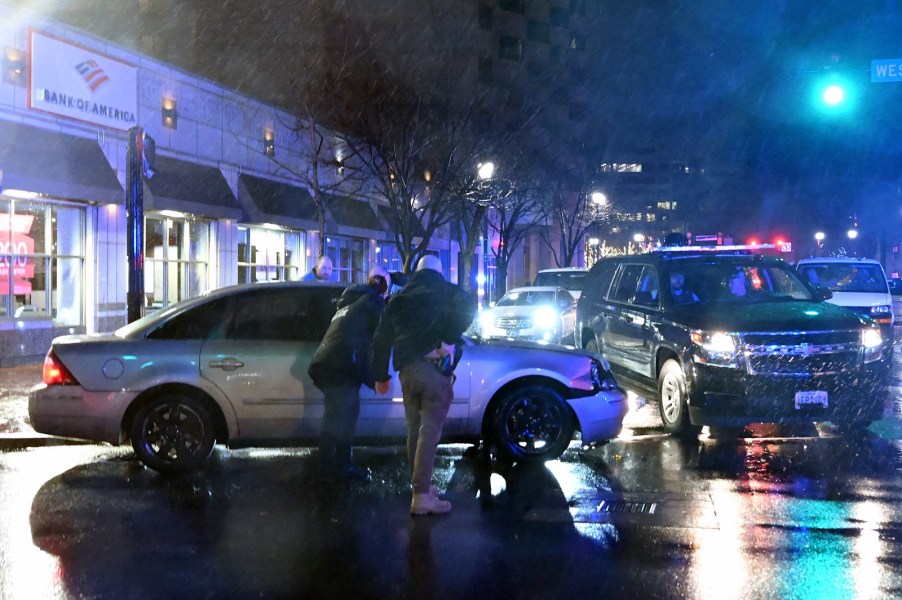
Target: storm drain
[{"x": 624, "y": 506}]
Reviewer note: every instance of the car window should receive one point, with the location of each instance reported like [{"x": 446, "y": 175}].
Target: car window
[
  {"x": 569, "y": 280},
  {"x": 282, "y": 314},
  {"x": 526, "y": 299},
  {"x": 846, "y": 277},
  {"x": 198, "y": 323},
  {"x": 626, "y": 283}
]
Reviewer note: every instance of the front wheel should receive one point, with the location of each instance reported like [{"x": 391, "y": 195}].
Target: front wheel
[
  {"x": 173, "y": 433},
  {"x": 533, "y": 424},
  {"x": 672, "y": 400}
]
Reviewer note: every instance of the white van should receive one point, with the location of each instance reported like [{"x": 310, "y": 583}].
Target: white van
[{"x": 856, "y": 283}]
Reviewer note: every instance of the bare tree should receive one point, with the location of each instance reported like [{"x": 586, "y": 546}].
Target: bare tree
[
  {"x": 569, "y": 212},
  {"x": 512, "y": 220}
]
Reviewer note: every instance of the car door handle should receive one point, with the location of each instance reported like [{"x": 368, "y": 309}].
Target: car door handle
[{"x": 226, "y": 364}]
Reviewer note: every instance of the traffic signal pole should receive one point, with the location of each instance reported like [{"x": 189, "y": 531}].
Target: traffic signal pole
[{"x": 134, "y": 211}]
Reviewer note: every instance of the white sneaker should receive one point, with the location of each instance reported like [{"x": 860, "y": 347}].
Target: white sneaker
[{"x": 427, "y": 504}]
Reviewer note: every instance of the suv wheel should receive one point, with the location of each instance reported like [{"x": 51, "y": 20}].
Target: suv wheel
[{"x": 672, "y": 400}]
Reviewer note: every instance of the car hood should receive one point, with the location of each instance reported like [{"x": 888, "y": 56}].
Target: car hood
[
  {"x": 511, "y": 311},
  {"x": 769, "y": 316}
]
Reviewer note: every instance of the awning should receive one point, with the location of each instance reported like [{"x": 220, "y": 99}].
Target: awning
[
  {"x": 390, "y": 216},
  {"x": 354, "y": 213},
  {"x": 56, "y": 164},
  {"x": 191, "y": 188},
  {"x": 277, "y": 202}
]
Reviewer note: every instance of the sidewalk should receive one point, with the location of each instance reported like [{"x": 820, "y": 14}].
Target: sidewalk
[{"x": 15, "y": 432}]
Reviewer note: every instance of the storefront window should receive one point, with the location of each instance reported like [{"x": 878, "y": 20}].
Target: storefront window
[
  {"x": 348, "y": 259},
  {"x": 42, "y": 261},
  {"x": 269, "y": 254},
  {"x": 176, "y": 259}
]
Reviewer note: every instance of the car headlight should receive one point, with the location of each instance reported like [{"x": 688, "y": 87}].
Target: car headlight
[
  {"x": 871, "y": 343},
  {"x": 486, "y": 321},
  {"x": 602, "y": 378},
  {"x": 715, "y": 348},
  {"x": 546, "y": 317}
]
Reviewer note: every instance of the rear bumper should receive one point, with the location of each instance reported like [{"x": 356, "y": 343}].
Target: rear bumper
[
  {"x": 71, "y": 411},
  {"x": 600, "y": 416}
]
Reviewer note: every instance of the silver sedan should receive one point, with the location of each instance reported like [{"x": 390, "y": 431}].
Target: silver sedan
[{"x": 230, "y": 367}]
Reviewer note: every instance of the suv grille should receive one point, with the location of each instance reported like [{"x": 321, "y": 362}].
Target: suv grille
[
  {"x": 801, "y": 354},
  {"x": 513, "y": 323}
]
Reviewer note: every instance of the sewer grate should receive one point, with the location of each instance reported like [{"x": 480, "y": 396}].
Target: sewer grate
[{"x": 624, "y": 506}]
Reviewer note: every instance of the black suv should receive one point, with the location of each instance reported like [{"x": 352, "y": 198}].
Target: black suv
[{"x": 731, "y": 337}]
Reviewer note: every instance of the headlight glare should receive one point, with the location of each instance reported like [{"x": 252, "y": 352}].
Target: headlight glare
[{"x": 546, "y": 317}]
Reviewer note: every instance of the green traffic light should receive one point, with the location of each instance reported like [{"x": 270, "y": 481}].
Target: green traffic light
[{"x": 834, "y": 94}]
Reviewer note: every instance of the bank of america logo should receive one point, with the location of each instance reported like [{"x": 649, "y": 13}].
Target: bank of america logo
[{"x": 92, "y": 74}]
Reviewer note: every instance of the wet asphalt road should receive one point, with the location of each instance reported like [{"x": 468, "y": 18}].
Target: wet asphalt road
[
  {"x": 783, "y": 514},
  {"x": 778, "y": 513}
]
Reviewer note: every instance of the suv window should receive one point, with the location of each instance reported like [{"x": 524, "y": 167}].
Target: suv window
[
  {"x": 626, "y": 283},
  {"x": 743, "y": 282},
  {"x": 845, "y": 277}
]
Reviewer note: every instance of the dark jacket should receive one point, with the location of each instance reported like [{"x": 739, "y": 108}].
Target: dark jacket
[
  {"x": 344, "y": 356},
  {"x": 427, "y": 312}
]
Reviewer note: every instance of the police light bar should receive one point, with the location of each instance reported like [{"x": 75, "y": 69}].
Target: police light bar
[{"x": 730, "y": 248}]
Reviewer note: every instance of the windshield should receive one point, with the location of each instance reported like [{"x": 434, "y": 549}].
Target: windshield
[
  {"x": 526, "y": 299},
  {"x": 741, "y": 282},
  {"x": 846, "y": 277},
  {"x": 569, "y": 280}
]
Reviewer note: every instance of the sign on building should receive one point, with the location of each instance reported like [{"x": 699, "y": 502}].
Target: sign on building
[
  {"x": 71, "y": 81},
  {"x": 885, "y": 70}
]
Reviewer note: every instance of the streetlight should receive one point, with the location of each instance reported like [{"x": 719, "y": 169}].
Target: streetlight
[
  {"x": 819, "y": 239},
  {"x": 852, "y": 233},
  {"x": 599, "y": 198},
  {"x": 484, "y": 172}
]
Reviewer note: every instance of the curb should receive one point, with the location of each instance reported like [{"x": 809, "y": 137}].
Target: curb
[{"x": 20, "y": 441}]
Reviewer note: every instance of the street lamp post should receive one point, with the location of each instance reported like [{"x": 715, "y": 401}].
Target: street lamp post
[
  {"x": 485, "y": 171},
  {"x": 819, "y": 240}
]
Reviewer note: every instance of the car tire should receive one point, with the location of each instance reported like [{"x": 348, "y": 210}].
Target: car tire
[
  {"x": 532, "y": 424},
  {"x": 672, "y": 403},
  {"x": 173, "y": 433}
]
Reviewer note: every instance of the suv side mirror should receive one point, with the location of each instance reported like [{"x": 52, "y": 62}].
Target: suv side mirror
[{"x": 823, "y": 293}]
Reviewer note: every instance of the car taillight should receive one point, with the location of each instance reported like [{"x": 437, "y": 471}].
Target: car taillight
[{"x": 54, "y": 373}]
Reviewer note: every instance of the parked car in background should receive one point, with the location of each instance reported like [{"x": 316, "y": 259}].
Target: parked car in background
[
  {"x": 857, "y": 283},
  {"x": 751, "y": 342},
  {"x": 230, "y": 367},
  {"x": 569, "y": 278},
  {"x": 546, "y": 314}
]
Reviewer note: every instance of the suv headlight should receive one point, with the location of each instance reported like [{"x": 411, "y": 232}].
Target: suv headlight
[
  {"x": 882, "y": 313},
  {"x": 871, "y": 344},
  {"x": 715, "y": 348}
]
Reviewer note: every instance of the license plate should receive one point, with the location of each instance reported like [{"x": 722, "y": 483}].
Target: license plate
[{"x": 807, "y": 398}]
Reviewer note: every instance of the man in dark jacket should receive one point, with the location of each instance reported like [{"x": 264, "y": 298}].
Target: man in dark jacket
[
  {"x": 423, "y": 323},
  {"x": 341, "y": 364}
]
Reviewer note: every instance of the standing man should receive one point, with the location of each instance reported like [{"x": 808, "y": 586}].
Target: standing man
[
  {"x": 423, "y": 323},
  {"x": 321, "y": 272},
  {"x": 341, "y": 364}
]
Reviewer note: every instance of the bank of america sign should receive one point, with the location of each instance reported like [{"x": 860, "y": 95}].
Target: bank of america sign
[{"x": 72, "y": 81}]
